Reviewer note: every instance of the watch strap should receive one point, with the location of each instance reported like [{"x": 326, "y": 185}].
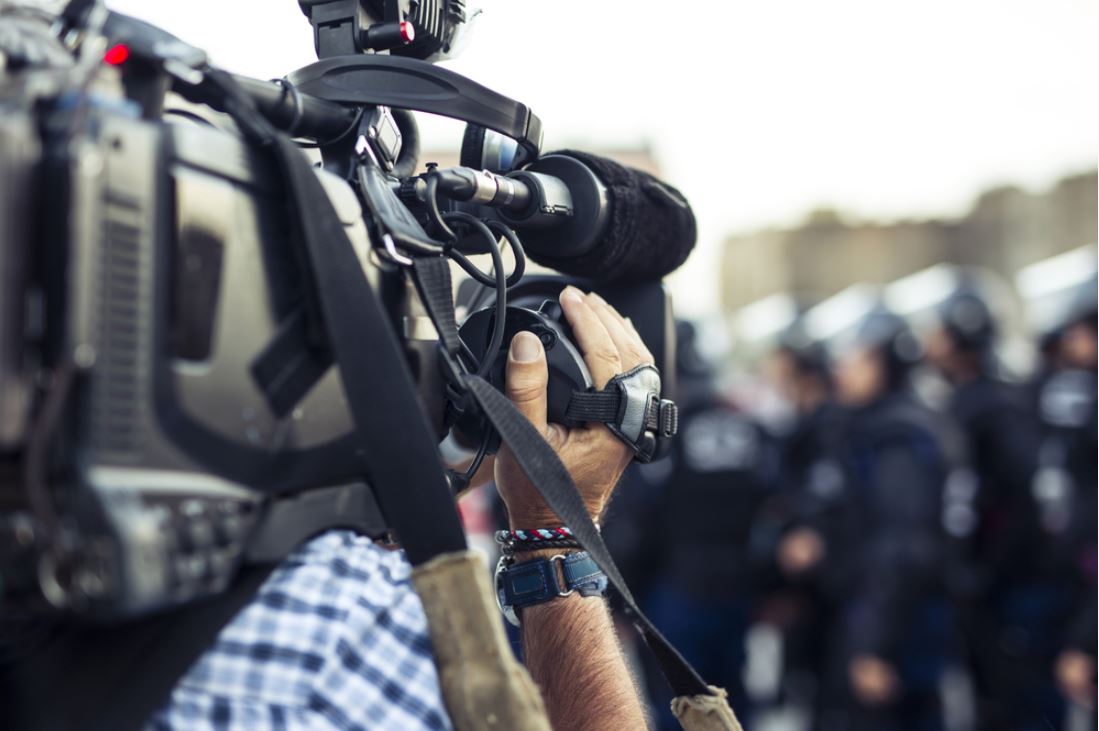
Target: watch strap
[
  {"x": 583, "y": 575},
  {"x": 536, "y": 582}
]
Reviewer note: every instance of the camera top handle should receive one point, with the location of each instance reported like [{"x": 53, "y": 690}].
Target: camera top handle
[
  {"x": 315, "y": 100},
  {"x": 323, "y": 93},
  {"x": 409, "y": 83}
]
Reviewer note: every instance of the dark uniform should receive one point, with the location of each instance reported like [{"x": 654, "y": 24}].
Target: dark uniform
[
  {"x": 1064, "y": 494},
  {"x": 679, "y": 530},
  {"x": 812, "y": 493},
  {"x": 897, "y": 608},
  {"x": 1020, "y": 594},
  {"x": 1020, "y": 577},
  {"x": 891, "y": 553}
]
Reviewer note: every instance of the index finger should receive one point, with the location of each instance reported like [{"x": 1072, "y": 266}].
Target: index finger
[
  {"x": 600, "y": 352},
  {"x": 631, "y": 348}
]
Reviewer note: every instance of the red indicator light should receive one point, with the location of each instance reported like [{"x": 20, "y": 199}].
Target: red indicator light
[
  {"x": 408, "y": 32},
  {"x": 116, "y": 55}
]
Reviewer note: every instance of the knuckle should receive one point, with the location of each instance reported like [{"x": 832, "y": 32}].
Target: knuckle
[
  {"x": 606, "y": 356},
  {"x": 525, "y": 390},
  {"x": 636, "y": 354}
]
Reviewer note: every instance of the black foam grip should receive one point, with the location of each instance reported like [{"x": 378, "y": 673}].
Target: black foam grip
[
  {"x": 473, "y": 145},
  {"x": 650, "y": 233},
  {"x": 409, "y": 158}
]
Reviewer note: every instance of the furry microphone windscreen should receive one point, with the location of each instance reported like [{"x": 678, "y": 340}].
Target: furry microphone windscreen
[{"x": 650, "y": 232}]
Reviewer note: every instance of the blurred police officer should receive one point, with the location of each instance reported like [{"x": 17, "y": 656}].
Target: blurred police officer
[
  {"x": 680, "y": 529},
  {"x": 805, "y": 517},
  {"x": 1064, "y": 489},
  {"x": 1014, "y": 601},
  {"x": 895, "y": 620}
]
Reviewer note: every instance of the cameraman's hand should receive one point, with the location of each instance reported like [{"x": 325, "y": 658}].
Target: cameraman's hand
[{"x": 592, "y": 454}]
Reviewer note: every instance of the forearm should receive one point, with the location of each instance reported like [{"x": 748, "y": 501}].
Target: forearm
[
  {"x": 569, "y": 642},
  {"x": 573, "y": 655}
]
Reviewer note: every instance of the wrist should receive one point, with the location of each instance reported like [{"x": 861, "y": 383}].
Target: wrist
[
  {"x": 537, "y": 553},
  {"x": 528, "y": 520},
  {"x": 525, "y": 518},
  {"x": 560, "y": 609}
]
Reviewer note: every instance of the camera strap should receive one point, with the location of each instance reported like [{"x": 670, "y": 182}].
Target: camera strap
[
  {"x": 544, "y": 469},
  {"x": 698, "y": 707},
  {"x": 413, "y": 491}
]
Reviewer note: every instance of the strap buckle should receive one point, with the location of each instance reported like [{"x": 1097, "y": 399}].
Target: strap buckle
[{"x": 663, "y": 418}]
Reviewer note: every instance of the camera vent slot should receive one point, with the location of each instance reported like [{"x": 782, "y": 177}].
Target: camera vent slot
[{"x": 123, "y": 329}]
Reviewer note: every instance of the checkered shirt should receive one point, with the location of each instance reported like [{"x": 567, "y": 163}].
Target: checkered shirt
[{"x": 336, "y": 639}]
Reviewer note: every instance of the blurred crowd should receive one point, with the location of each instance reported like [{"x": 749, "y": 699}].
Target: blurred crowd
[{"x": 884, "y": 559}]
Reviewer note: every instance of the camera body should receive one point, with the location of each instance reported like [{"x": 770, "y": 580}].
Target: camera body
[{"x": 169, "y": 275}]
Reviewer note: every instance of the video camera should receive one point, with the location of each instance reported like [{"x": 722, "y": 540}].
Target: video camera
[{"x": 168, "y": 412}]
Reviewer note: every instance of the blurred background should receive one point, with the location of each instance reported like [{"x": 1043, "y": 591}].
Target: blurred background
[
  {"x": 905, "y": 121},
  {"x": 893, "y": 295}
]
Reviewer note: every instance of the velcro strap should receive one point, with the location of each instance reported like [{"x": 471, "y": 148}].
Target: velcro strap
[
  {"x": 594, "y": 406},
  {"x": 631, "y": 407},
  {"x": 661, "y": 416}
]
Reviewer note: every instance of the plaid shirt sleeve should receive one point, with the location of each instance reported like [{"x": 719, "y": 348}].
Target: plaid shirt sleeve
[{"x": 335, "y": 639}]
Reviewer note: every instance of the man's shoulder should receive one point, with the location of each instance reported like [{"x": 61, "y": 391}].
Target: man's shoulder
[
  {"x": 324, "y": 564},
  {"x": 337, "y": 633}
]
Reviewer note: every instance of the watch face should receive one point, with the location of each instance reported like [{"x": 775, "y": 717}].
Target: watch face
[
  {"x": 506, "y": 609},
  {"x": 511, "y": 616}
]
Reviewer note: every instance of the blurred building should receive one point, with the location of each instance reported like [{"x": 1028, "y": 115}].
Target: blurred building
[{"x": 1006, "y": 229}]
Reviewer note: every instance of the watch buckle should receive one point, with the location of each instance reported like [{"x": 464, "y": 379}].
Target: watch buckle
[{"x": 559, "y": 573}]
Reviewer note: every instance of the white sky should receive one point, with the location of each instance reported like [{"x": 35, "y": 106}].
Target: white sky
[{"x": 760, "y": 111}]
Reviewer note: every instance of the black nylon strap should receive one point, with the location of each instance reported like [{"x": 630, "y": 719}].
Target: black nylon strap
[
  {"x": 343, "y": 311},
  {"x": 594, "y": 406},
  {"x": 289, "y": 367},
  {"x": 431, "y": 275},
  {"x": 219, "y": 86},
  {"x": 394, "y": 435},
  {"x": 544, "y": 469}
]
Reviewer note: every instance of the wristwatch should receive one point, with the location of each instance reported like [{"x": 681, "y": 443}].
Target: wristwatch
[{"x": 524, "y": 584}]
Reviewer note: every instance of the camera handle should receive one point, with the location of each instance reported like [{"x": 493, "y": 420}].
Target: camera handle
[
  {"x": 315, "y": 99},
  {"x": 409, "y": 83}
]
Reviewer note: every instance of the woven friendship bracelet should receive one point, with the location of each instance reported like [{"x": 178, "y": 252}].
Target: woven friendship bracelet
[
  {"x": 512, "y": 549},
  {"x": 534, "y": 535}
]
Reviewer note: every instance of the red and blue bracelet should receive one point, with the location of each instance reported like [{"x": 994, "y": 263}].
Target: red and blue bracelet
[{"x": 519, "y": 540}]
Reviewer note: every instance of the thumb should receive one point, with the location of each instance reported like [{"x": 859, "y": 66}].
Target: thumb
[{"x": 527, "y": 377}]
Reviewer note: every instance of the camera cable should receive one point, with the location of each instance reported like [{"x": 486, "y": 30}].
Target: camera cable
[
  {"x": 435, "y": 214},
  {"x": 499, "y": 282}
]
